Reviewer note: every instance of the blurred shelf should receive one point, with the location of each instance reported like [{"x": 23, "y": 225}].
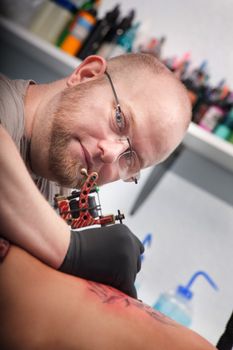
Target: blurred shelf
[
  {"x": 197, "y": 139},
  {"x": 209, "y": 146},
  {"x": 36, "y": 48}
]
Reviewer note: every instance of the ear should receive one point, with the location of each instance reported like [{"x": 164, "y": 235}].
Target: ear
[{"x": 92, "y": 67}]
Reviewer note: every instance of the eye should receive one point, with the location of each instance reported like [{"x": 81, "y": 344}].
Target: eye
[
  {"x": 120, "y": 119},
  {"x": 128, "y": 160}
]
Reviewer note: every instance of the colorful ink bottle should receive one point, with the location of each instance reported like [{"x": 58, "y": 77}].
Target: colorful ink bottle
[
  {"x": 211, "y": 118},
  {"x": 201, "y": 105},
  {"x": 177, "y": 304},
  {"x": 99, "y": 32},
  {"x": 51, "y": 19},
  {"x": 111, "y": 39},
  {"x": 80, "y": 6},
  {"x": 79, "y": 30},
  {"x": 125, "y": 41},
  {"x": 224, "y": 129}
]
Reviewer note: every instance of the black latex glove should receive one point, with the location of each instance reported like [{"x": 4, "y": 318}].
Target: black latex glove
[{"x": 108, "y": 255}]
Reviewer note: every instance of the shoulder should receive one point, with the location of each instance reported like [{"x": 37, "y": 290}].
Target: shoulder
[{"x": 12, "y": 94}]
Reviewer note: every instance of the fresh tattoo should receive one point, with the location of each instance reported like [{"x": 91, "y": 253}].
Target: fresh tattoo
[{"x": 109, "y": 295}]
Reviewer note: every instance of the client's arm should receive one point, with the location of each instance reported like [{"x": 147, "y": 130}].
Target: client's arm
[{"x": 42, "y": 308}]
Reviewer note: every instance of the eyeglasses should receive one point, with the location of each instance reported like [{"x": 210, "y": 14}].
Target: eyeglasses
[{"x": 128, "y": 161}]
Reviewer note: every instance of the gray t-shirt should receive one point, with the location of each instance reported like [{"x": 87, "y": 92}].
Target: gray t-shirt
[{"x": 12, "y": 118}]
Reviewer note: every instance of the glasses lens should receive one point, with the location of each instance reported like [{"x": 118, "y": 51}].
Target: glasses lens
[{"x": 129, "y": 166}]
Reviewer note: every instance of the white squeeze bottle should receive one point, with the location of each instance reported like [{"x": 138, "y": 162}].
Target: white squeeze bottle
[{"x": 177, "y": 304}]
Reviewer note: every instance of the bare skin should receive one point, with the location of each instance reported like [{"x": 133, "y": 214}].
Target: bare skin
[{"x": 45, "y": 309}]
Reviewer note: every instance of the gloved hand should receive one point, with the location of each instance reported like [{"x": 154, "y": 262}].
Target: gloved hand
[{"x": 108, "y": 255}]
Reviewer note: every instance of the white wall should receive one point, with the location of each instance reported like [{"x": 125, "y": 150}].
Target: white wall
[{"x": 192, "y": 230}]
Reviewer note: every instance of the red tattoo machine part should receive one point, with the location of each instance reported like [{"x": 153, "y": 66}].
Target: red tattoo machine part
[{"x": 80, "y": 208}]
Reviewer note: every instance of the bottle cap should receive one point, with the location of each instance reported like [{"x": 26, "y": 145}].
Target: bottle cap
[
  {"x": 185, "y": 290},
  {"x": 222, "y": 131},
  {"x": 112, "y": 15},
  {"x": 67, "y": 5}
]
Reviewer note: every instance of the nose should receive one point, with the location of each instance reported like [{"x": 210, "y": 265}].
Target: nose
[{"x": 111, "y": 149}]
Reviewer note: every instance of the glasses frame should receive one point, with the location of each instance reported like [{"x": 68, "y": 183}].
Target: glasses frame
[{"x": 119, "y": 112}]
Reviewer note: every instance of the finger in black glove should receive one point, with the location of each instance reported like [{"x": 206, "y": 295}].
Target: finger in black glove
[{"x": 110, "y": 255}]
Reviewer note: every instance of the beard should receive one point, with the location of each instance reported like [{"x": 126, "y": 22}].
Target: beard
[
  {"x": 70, "y": 108},
  {"x": 64, "y": 167}
]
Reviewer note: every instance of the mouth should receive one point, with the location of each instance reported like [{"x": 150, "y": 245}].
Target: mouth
[{"x": 88, "y": 159}]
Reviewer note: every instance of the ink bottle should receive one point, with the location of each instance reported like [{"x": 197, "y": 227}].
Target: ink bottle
[
  {"x": 79, "y": 30},
  {"x": 51, "y": 19},
  {"x": 177, "y": 303},
  {"x": 224, "y": 129}
]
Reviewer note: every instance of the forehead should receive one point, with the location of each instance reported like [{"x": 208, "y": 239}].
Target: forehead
[
  {"x": 143, "y": 135},
  {"x": 152, "y": 109}
]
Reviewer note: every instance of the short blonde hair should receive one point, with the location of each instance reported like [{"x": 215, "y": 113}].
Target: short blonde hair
[{"x": 130, "y": 61}]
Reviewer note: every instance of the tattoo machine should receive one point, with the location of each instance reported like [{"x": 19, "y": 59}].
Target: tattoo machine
[{"x": 80, "y": 208}]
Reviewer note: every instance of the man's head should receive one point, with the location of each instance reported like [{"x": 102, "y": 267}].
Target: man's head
[{"x": 91, "y": 118}]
